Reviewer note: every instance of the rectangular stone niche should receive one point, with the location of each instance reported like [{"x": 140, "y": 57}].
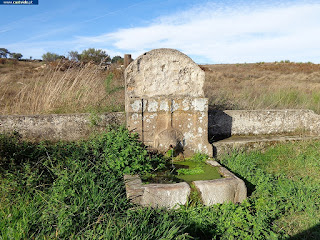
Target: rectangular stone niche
[
  {"x": 186, "y": 117},
  {"x": 227, "y": 189}
]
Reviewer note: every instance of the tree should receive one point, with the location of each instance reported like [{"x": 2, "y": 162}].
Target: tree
[
  {"x": 95, "y": 55},
  {"x": 4, "y": 52},
  {"x": 117, "y": 59},
  {"x": 16, "y": 55},
  {"x": 50, "y": 57},
  {"x": 74, "y": 56}
]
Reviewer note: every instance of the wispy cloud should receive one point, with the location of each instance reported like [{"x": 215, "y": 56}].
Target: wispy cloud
[{"x": 216, "y": 33}]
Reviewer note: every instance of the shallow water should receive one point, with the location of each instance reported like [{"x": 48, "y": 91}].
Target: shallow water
[
  {"x": 171, "y": 174},
  {"x": 209, "y": 172}
]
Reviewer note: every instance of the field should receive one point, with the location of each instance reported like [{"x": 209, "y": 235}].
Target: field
[
  {"x": 75, "y": 191},
  {"x": 35, "y": 88},
  {"x": 59, "y": 87},
  {"x": 263, "y": 86}
]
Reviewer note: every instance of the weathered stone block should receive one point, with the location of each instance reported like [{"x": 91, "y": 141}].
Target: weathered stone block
[
  {"x": 165, "y": 195},
  {"x": 156, "y": 195}
]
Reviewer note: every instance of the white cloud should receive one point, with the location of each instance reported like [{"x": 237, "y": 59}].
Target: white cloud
[{"x": 217, "y": 34}]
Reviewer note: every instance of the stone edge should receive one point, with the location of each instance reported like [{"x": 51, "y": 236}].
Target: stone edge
[{"x": 240, "y": 192}]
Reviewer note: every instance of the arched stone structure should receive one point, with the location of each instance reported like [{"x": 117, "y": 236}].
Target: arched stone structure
[{"x": 165, "y": 102}]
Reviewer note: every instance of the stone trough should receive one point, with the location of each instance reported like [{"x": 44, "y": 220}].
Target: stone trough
[{"x": 230, "y": 188}]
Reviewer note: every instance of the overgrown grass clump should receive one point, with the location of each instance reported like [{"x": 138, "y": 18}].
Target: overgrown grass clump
[{"x": 75, "y": 191}]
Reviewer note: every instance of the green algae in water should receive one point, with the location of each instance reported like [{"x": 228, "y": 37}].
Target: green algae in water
[
  {"x": 208, "y": 172},
  {"x": 171, "y": 175}
]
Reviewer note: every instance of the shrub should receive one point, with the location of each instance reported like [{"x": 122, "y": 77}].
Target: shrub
[
  {"x": 51, "y": 57},
  {"x": 95, "y": 55}
]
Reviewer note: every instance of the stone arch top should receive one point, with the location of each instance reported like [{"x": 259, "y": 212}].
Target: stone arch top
[{"x": 164, "y": 72}]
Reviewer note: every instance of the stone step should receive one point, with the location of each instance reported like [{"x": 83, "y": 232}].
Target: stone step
[{"x": 256, "y": 142}]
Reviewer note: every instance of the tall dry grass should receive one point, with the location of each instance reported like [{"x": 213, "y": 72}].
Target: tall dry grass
[
  {"x": 63, "y": 89},
  {"x": 263, "y": 86},
  {"x": 27, "y": 88}
]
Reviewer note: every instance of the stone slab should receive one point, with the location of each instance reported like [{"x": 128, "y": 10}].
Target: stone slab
[
  {"x": 156, "y": 195},
  {"x": 165, "y": 195}
]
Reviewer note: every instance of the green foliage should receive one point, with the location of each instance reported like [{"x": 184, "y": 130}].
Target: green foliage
[
  {"x": 4, "y": 52},
  {"x": 16, "y": 55},
  {"x": 199, "y": 157},
  {"x": 51, "y": 57},
  {"x": 75, "y": 191},
  {"x": 74, "y": 56},
  {"x": 117, "y": 59},
  {"x": 94, "y": 55},
  {"x": 282, "y": 196}
]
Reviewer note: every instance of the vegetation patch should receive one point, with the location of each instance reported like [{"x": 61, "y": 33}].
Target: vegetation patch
[
  {"x": 188, "y": 170},
  {"x": 75, "y": 190}
]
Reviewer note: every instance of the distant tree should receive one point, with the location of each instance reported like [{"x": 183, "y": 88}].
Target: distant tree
[
  {"x": 74, "y": 56},
  {"x": 16, "y": 55},
  {"x": 95, "y": 55},
  {"x": 50, "y": 57},
  {"x": 117, "y": 59},
  {"x": 4, "y": 52}
]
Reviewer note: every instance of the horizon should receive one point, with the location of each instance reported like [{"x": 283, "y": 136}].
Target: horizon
[{"x": 209, "y": 32}]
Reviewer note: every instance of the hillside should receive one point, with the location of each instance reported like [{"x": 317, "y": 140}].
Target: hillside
[{"x": 60, "y": 87}]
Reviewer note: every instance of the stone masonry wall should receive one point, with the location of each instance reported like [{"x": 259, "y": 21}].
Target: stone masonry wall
[
  {"x": 230, "y": 122},
  {"x": 259, "y": 122},
  {"x": 56, "y": 127}
]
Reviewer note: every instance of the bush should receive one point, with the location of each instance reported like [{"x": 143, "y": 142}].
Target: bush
[
  {"x": 95, "y": 55},
  {"x": 51, "y": 57}
]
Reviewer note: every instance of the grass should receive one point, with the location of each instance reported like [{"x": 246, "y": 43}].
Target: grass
[
  {"x": 263, "y": 86},
  {"x": 75, "y": 191},
  {"x": 287, "y": 185},
  {"x": 66, "y": 87},
  {"x": 60, "y": 87}
]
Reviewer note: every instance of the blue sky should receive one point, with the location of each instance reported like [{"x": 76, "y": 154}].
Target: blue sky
[{"x": 208, "y": 31}]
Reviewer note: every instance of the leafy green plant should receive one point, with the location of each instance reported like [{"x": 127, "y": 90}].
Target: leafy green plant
[
  {"x": 199, "y": 157},
  {"x": 191, "y": 171}
]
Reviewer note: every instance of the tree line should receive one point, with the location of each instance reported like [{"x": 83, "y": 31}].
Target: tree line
[
  {"x": 4, "y": 53},
  {"x": 96, "y": 56}
]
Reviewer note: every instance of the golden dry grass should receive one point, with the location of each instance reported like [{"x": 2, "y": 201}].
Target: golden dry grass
[
  {"x": 58, "y": 88},
  {"x": 27, "y": 88},
  {"x": 263, "y": 86}
]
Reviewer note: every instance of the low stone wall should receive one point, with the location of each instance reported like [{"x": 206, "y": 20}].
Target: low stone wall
[
  {"x": 56, "y": 127},
  {"x": 259, "y": 122},
  {"x": 220, "y": 123}
]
